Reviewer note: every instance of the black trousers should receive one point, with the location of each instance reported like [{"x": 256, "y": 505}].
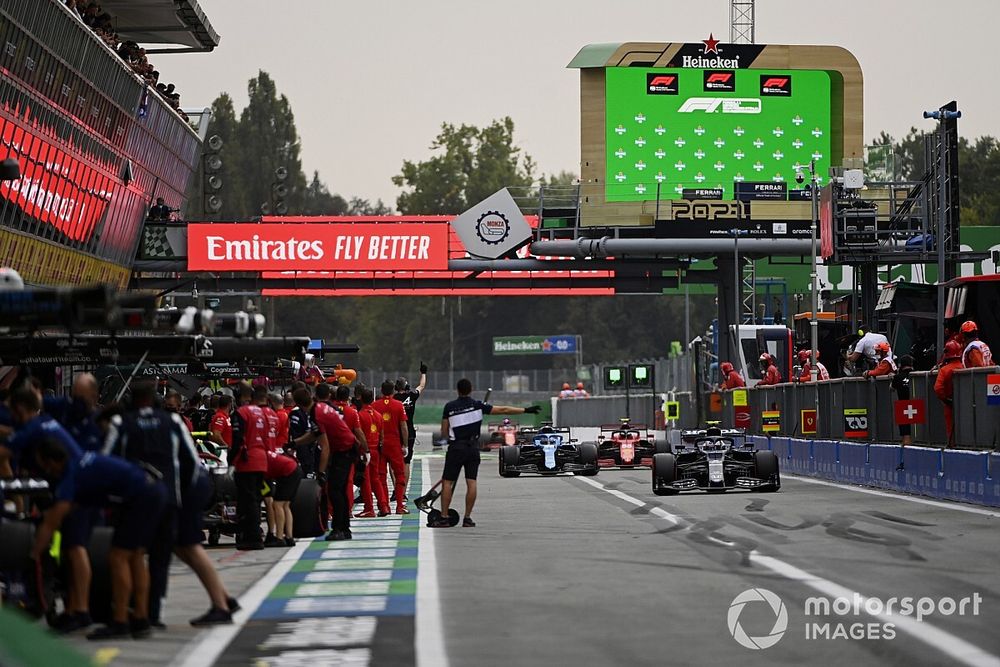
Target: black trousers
[
  {"x": 340, "y": 488},
  {"x": 160, "y": 552},
  {"x": 248, "y": 500}
]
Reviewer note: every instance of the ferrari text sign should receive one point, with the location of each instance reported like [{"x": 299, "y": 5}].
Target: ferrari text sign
[{"x": 317, "y": 247}]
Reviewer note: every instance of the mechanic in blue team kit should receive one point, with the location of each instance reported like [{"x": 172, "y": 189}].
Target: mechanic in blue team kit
[
  {"x": 302, "y": 438},
  {"x": 78, "y": 412},
  {"x": 159, "y": 440},
  {"x": 33, "y": 426},
  {"x": 409, "y": 397},
  {"x": 99, "y": 481},
  {"x": 462, "y": 420}
]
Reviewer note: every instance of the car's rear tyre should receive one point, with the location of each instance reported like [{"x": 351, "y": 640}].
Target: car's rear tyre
[
  {"x": 662, "y": 447},
  {"x": 664, "y": 474},
  {"x": 16, "y": 540},
  {"x": 305, "y": 510},
  {"x": 509, "y": 455},
  {"x": 766, "y": 464}
]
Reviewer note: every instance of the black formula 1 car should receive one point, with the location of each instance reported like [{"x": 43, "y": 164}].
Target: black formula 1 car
[
  {"x": 548, "y": 451},
  {"x": 715, "y": 462},
  {"x": 627, "y": 445}
]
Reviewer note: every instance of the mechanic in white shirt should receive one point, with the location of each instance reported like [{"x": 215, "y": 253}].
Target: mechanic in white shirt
[{"x": 865, "y": 347}]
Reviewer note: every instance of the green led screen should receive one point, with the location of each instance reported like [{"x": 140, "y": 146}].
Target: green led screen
[{"x": 702, "y": 129}]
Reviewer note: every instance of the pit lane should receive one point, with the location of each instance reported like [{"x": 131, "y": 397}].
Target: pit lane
[{"x": 598, "y": 571}]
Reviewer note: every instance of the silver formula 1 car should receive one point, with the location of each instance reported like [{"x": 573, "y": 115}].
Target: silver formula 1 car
[{"x": 715, "y": 462}]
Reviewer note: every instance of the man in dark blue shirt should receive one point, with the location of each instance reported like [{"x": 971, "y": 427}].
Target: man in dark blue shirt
[
  {"x": 33, "y": 427},
  {"x": 462, "y": 420},
  {"x": 97, "y": 481},
  {"x": 78, "y": 412},
  {"x": 155, "y": 438}
]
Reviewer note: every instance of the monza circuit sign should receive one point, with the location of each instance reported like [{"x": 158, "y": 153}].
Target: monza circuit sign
[
  {"x": 317, "y": 247},
  {"x": 508, "y": 345}
]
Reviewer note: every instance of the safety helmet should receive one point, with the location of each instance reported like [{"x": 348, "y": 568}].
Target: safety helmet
[
  {"x": 969, "y": 327},
  {"x": 952, "y": 350},
  {"x": 804, "y": 356},
  {"x": 882, "y": 348},
  {"x": 766, "y": 359},
  {"x": 726, "y": 367},
  {"x": 579, "y": 385},
  {"x": 565, "y": 385},
  {"x": 506, "y": 421}
]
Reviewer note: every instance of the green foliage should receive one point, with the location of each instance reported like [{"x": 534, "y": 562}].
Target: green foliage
[
  {"x": 469, "y": 165},
  {"x": 978, "y": 170},
  {"x": 255, "y": 145}
]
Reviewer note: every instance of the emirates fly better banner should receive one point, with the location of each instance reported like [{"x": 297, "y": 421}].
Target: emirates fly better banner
[{"x": 317, "y": 247}]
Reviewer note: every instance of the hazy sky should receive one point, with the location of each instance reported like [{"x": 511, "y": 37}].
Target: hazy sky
[{"x": 371, "y": 81}]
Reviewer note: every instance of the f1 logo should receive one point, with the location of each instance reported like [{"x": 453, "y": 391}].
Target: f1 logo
[
  {"x": 775, "y": 85},
  {"x": 721, "y": 81},
  {"x": 661, "y": 84}
]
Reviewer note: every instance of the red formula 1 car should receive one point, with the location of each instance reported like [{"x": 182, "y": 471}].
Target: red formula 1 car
[
  {"x": 627, "y": 445},
  {"x": 501, "y": 433}
]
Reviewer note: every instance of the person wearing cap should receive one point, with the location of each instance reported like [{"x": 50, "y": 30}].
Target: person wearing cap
[
  {"x": 769, "y": 373},
  {"x": 566, "y": 391},
  {"x": 977, "y": 353},
  {"x": 580, "y": 392},
  {"x": 944, "y": 386},
  {"x": 731, "y": 379},
  {"x": 885, "y": 365},
  {"x": 805, "y": 357},
  {"x": 864, "y": 348}
]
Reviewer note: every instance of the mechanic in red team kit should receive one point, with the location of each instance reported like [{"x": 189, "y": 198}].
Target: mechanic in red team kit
[
  {"x": 769, "y": 373},
  {"x": 462, "y": 420},
  {"x": 339, "y": 447},
  {"x": 394, "y": 434},
  {"x": 248, "y": 455},
  {"x": 731, "y": 379},
  {"x": 371, "y": 426}
]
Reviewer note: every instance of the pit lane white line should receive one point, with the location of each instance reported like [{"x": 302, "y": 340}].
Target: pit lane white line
[
  {"x": 210, "y": 646},
  {"x": 958, "y": 507},
  {"x": 955, "y": 647},
  {"x": 429, "y": 631}
]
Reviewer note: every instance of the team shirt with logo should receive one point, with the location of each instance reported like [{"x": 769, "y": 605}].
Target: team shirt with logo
[{"x": 393, "y": 414}]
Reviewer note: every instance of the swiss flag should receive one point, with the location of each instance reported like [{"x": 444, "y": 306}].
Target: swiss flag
[{"x": 911, "y": 411}]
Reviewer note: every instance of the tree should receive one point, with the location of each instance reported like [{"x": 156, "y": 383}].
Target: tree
[
  {"x": 359, "y": 206},
  {"x": 224, "y": 124},
  {"x": 269, "y": 140},
  {"x": 978, "y": 171},
  {"x": 469, "y": 165},
  {"x": 319, "y": 201}
]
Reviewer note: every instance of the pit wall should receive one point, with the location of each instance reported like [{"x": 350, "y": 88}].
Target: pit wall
[
  {"x": 965, "y": 476},
  {"x": 977, "y": 422}
]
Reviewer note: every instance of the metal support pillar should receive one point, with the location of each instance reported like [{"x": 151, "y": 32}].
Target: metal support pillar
[{"x": 728, "y": 301}]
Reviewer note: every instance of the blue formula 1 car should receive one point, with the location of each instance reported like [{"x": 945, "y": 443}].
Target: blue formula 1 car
[{"x": 548, "y": 451}]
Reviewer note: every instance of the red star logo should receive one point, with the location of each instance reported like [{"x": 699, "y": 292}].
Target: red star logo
[
  {"x": 711, "y": 44},
  {"x": 546, "y": 345}
]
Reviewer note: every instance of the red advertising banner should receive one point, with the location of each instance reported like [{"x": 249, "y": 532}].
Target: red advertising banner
[
  {"x": 55, "y": 188},
  {"x": 318, "y": 247}
]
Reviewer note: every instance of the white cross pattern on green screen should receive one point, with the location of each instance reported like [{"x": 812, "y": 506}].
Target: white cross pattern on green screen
[{"x": 654, "y": 146}]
